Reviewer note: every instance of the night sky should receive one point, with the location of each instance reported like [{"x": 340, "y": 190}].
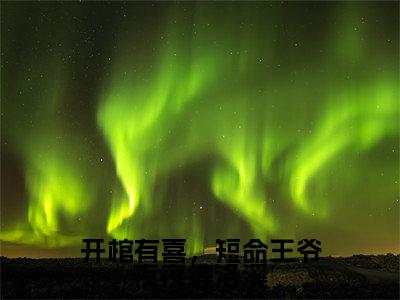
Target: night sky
[{"x": 199, "y": 121}]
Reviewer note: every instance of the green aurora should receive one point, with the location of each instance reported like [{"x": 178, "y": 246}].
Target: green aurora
[{"x": 200, "y": 121}]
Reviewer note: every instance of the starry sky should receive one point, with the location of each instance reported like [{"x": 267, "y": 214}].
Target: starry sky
[{"x": 200, "y": 121}]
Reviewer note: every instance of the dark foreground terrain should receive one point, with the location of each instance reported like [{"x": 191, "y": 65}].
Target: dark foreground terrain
[{"x": 353, "y": 277}]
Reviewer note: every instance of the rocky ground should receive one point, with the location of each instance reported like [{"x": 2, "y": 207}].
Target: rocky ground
[{"x": 358, "y": 276}]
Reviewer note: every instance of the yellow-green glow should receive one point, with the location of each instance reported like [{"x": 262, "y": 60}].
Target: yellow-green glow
[
  {"x": 200, "y": 121},
  {"x": 353, "y": 121}
]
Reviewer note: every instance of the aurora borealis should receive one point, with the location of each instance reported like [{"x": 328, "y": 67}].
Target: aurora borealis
[{"x": 199, "y": 121}]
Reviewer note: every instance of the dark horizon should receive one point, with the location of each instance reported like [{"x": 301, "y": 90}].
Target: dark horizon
[{"x": 201, "y": 121}]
